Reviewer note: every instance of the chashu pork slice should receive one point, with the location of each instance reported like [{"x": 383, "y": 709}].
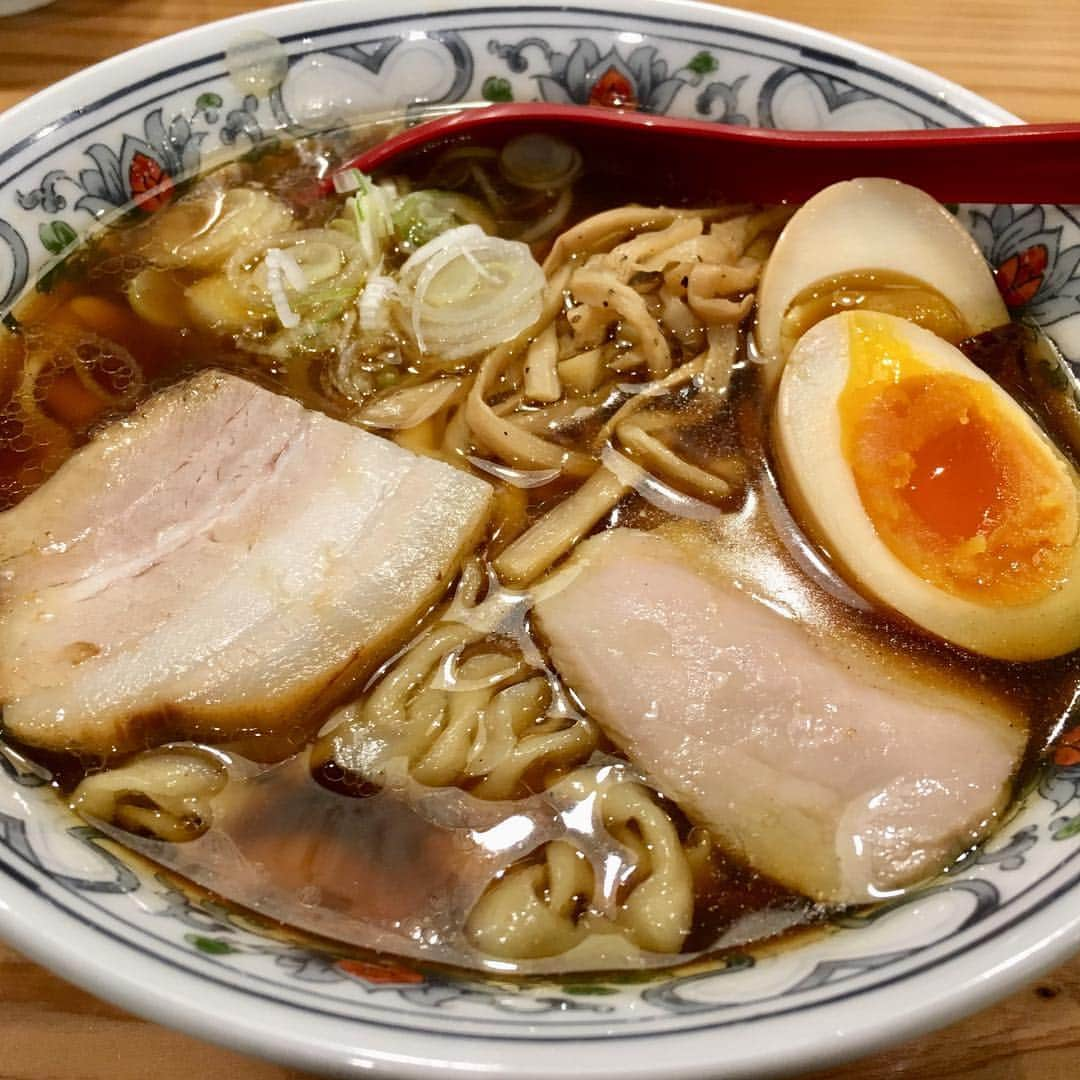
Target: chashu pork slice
[
  {"x": 836, "y": 777},
  {"x": 215, "y": 566}
]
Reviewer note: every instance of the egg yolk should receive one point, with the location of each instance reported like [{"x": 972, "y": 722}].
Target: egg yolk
[{"x": 963, "y": 493}]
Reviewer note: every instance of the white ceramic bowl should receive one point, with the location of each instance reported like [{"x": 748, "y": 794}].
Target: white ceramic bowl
[{"x": 96, "y": 140}]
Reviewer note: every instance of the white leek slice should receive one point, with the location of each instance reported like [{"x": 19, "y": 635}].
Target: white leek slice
[
  {"x": 369, "y": 213},
  {"x": 374, "y": 304},
  {"x": 311, "y": 273},
  {"x": 277, "y": 263},
  {"x": 465, "y": 292}
]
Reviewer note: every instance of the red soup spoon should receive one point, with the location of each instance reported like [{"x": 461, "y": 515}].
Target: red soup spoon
[{"x": 1031, "y": 163}]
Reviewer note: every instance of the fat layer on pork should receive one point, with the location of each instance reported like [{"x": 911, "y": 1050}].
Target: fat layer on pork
[
  {"x": 213, "y": 566},
  {"x": 820, "y": 769}
]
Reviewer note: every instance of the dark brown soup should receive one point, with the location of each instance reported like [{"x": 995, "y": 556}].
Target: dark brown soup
[{"x": 625, "y": 397}]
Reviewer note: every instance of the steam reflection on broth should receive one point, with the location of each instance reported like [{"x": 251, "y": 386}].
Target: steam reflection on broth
[{"x": 465, "y": 795}]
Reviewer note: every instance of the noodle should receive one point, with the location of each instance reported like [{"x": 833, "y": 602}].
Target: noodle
[
  {"x": 481, "y": 722},
  {"x": 672, "y": 381},
  {"x": 560, "y": 528},
  {"x": 545, "y": 908},
  {"x": 602, "y": 229},
  {"x": 719, "y": 362},
  {"x": 585, "y": 371},
  {"x": 541, "y": 367},
  {"x": 163, "y": 793},
  {"x": 669, "y": 466},
  {"x": 603, "y": 289},
  {"x": 510, "y": 441}
]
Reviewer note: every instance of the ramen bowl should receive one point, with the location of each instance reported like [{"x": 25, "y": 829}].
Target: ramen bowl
[{"x": 72, "y": 900}]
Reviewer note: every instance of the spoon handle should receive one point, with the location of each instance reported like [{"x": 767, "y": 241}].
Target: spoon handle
[{"x": 696, "y": 159}]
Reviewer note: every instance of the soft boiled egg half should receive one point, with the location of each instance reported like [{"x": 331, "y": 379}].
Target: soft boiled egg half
[
  {"x": 930, "y": 487},
  {"x": 877, "y": 244}
]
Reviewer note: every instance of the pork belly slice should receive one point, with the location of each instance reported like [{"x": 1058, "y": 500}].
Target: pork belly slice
[
  {"x": 216, "y": 566},
  {"x": 831, "y": 774}
]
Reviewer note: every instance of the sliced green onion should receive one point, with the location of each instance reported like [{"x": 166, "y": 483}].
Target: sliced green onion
[{"x": 422, "y": 215}]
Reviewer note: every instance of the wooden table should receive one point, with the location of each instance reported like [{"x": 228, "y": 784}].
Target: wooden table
[{"x": 1018, "y": 53}]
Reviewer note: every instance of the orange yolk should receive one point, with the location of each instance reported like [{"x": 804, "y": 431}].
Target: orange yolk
[
  {"x": 962, "y": 492},
  {"x": 957, "y": 484}
]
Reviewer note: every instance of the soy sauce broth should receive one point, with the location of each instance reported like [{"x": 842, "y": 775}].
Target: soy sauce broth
[{"x": 84, "y": 306}]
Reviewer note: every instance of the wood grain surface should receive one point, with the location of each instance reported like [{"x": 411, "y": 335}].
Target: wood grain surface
[{"x": 1020, "y": 54}]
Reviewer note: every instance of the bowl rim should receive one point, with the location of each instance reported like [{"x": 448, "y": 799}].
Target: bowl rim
[
  {"x": 827, "y": 46},
  {"x": 180, "y": 998}
]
